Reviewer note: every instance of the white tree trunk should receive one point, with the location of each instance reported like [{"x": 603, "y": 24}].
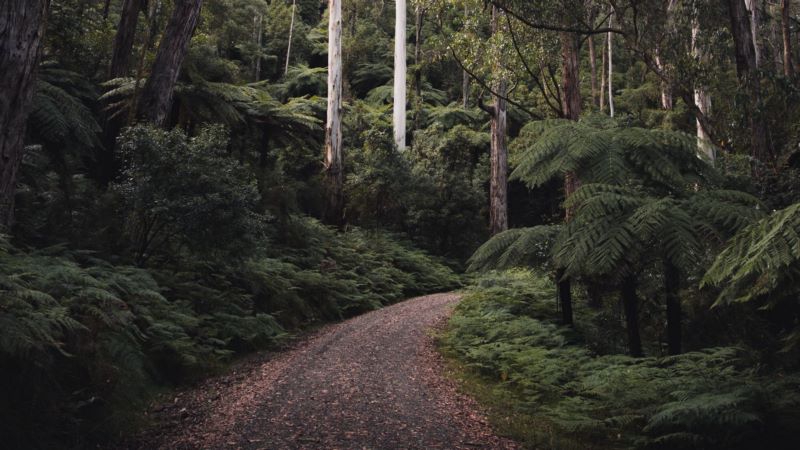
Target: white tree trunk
[
  {"x": 702, "y": 100},
  {"x": 611, "y": 67},
  {"x": 755, "y": 18},
  {"x": 291, "y": 32},
  {"x": 333, "y": 127},
  {"x": 400, "y": 75},
  {"x": 498, "y": 183}
]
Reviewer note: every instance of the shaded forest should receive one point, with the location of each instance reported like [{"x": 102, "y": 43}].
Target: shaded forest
[{"x": 613, "y": 182}]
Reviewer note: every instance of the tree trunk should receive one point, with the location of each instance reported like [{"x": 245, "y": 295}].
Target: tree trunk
[
  {"x": 786, "y": 28},
  {"x": 418, "y": 66},
  {"x": 747, "y": 71},
  {"x": 667, "y": 101},
  {"x": 603, "y": 73},
  {"x": 400, "y": 75},
  {"x": 611, "y": 68},
  {"x": 593, "y": 69},
  {"x": 22, "y": 25},
  {"x": 498, "y": 185},
  {"x": 291, "y": 33},
  {"x": 258, "y": 36},
  {"x": 123, "y": 40},
  {"x": 754, "y": 16},
  {"x": 156, "y": 99},
  {"x": 465, "y": 89},
  {"x": 672, "y": 286},
  {"x": 702, "y": 101},
  {"x": 630, "y": 302},
  {"x": 334, "y": 165}
]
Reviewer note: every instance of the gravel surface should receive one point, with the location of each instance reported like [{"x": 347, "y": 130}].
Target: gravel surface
[{"x": 372, "y": 382}]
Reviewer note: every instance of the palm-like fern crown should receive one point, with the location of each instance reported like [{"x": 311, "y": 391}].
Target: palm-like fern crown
[{"x": 645, "y": 194}]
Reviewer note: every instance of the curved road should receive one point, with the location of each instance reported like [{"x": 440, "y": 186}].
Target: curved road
[{"x": 371, "y": 382}]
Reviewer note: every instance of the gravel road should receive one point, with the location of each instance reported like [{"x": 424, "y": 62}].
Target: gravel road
[{"x": 372, "y": 382}]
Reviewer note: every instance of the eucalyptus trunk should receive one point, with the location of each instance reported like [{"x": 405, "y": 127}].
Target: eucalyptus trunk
[
  {"x": 593, "y": 69},
  {"x": 22, "y": 25},
  {"x": 156, "y": 100},
  {"x": 749, "y": 79},
  {"x": 291, "y": 33},
  {"x": 399, "y": 116},
  {"x": 498, "y": 185},
  {"x": 610, "y": 80},
  {"x": 123, "y": 40},
  {"x": 334, "y": 165},
  {"x": 702, "y": 100},
  {"x": 786, "y": 29}
]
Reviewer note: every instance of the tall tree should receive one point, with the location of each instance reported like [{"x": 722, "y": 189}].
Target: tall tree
[
  {"x": 498, "y": 185},
  {"x": 22, "y": 25},
  {"x": 291, "y": 33},
  {"x": 786, "y": 29},
  {"x": 702, "y": 99},
  {"x": 747, "y": 71},
  {"x": 156, "y": 100},
  {"x": 399, "y": 117},
  {"x": 333, "y": 129},
  {"x": 754, "y": 17},
  {"x": 123, "y": 40},
  {"x": 610, "y": 80}
]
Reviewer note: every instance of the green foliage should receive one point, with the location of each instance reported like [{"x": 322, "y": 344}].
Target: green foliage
[{"x": 703, "y": 399}]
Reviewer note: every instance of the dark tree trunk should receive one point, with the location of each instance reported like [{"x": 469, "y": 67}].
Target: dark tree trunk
[
  {"x": 498, "y": 185},
  {"x": 156, "y": 100},
  {"x": 123, "y": 41},
  {"x": 747, "y": 71},
  {"x": 631, "y": 304},
  {"x": 22, "y": 25},
  {"x": 571, "y": 105},
  {"x": 564, "y": 289},
  {"x": 672, "y": 286}
]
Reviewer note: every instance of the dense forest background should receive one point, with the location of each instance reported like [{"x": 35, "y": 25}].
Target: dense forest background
[{"x": 180, "y": 184}]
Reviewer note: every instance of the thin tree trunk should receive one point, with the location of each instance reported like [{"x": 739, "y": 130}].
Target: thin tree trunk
[
  {"x": 672, "y": 286},
  {"x": 399, "y": 115},
  {"x": 603, "y": 73},
  {"x": 465, "y": 89},
  {"x": 754, "y": 17},
  {"x": 157, "y": 96},
  {"x": 611, "y": 68},
  {"x": 333, "y": 129},
  {"x": 702, "y": 101},
  {"x": 788, "y": 64},
  {"x": 123, "y": 40},
  {"x": 666, "y": 89},
  {"x": 22, "y": 25},
  {"x": 498, "y": 186},
  {"x": 291, "y": 33},
  {"x": 630, "y": 303},
  {"x": 593, "y": 68},
  {"x": 258, "y": 36},
  {"x": 418, "y": 65},
  {"x": 748, "y": 73}
]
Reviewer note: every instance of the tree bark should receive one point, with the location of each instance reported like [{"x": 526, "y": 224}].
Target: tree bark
[
  {"x": 611, "y": 68},
  {"x": 156, "y": 99},
  {"x": 593, "y": 69},
  {"x": 418, "y": 65},
  {"x": 754, "y": 16},
  {"x": 630, "y": 302},
  {"x": 498, "y": 185},
  {"x": 333, "y": 129},
  {"x": 702, "y": 101},
  {"x": 123, "y": 40},
  {"x": 564, "y": 290},
  {"x": 22, "y": 26},
  {"x": 748, "y": 73},
  {"x": 400, "y": 70},
  {"x": 603, "y": 73},
  {"x": 291, "y": 33},
  {"x": 788, "y": 63},
  {"x": 672, "y": 286}
]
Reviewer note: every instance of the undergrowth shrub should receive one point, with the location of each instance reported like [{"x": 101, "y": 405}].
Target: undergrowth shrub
[{"x": 710, "y": 398}]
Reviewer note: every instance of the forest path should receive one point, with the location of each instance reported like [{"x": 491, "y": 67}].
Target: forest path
[{"x": 372, "y": 382}]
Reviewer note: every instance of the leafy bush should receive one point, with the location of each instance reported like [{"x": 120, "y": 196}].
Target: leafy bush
[{"x": 711, "y": 398}]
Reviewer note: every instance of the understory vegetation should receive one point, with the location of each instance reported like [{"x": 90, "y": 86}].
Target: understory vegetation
[{"x": 559, "y": 387}]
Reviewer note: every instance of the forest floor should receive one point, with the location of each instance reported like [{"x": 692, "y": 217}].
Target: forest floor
[{"x": 373, "y": 382}]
